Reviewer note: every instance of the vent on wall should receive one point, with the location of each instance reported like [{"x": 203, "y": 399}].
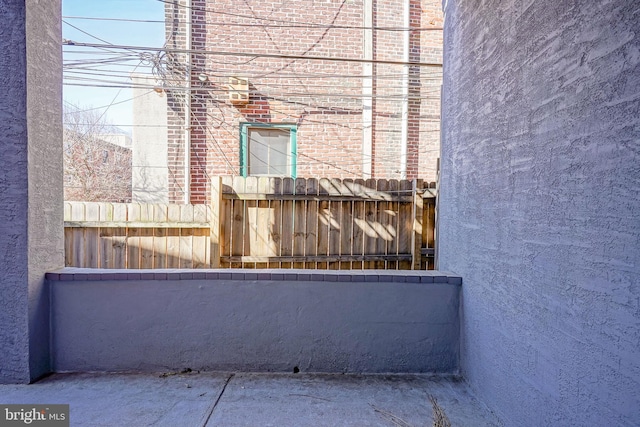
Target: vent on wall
[{"x": 238, "y": 90}]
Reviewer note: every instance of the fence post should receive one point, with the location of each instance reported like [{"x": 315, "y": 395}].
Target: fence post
[
  {"x": 416, "y": 247},
  {"x": 214, "y": 227}
]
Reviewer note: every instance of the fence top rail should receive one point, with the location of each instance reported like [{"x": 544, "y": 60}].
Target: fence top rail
[
  {"x": 251, "y": 188},
  {"x": 136, "y": 215},
  {"x": 134, "y": 224},
  {"x": 333, "y": 198}
]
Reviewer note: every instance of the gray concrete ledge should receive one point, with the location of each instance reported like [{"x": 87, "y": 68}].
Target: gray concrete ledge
[
  {"x": 411, "y": 276},
  {"x": 371, "y": 321}
]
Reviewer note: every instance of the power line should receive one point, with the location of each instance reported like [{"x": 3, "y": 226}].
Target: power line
[
  {"x": 86, "y": 33},
  {"x": 237, "y": 24},
  {"x": 106, "y": 106},
  {"x": 258, "y": 94},
  {"x": 213, "y": 73},
  {"x": 293, "y": 24},
  {"x": 257, "y": 55},
  {"x": 304, "y": 85}
]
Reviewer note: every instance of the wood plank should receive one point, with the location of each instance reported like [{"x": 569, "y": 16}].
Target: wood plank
[
  {"x": 201, "y": 237},
  {"x": 311, "y": 223},
  {"x": 77, "y": 211},
  {"x": 78, "y": 252},
  {"x": 225, "y": 220},
  {"x": 186, "y": 248},
  {"x": 199, "y": 248},
  {"x": 160, "y": 258},
  {"x": 133, "y": 248},
  {"x": 274, "y": 187},
  {"x": 392, "y": 247},
  {"x": 346, "y": 225},
  {"x": 335, "y": 227},
  {"x": 173, "y": 237},
  {"x": 405, "y": 225},
  {"x": 216, "y": 227},
  {"x": 264, "y": 243},
  {"x": 324, "y": 185},
  {"x": 286, "y": 217},
  {"x": 105, "y": 211},
  {"x": 119, "y": 237},
  {"x": 146, "y": 236},
  {"x": 247, "y": 222},
  {"x": 77, "y": 239},
  {"x": 187, "y": 213},
  {"x": 136, "y": 224},
  {"x": 92, "y": 237},
  {"x": 106, "y": 247},
  {"x": 359, "y": 220},
  {"x": 382, "y": 218},
  {"x": 372, "y": 195},
  {"x": 299, "y": 221},
  {"x": 371, "y": 215},
  {"x": 324, "y": 259},
  {"x": 106, "y": 237},
  {"x": 68, "y": 247},
  {"x": 67, "y": 211},
  {"x": 160, "y": 215},
  {"x": 417, "y": 225},
  {"x": 428, "y": 232}
]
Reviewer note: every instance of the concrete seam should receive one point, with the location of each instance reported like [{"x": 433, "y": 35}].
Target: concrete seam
[{"x": 215, "y": 404}]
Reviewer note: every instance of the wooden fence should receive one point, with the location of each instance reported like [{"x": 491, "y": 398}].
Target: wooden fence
[
  {"x": 263, "y": 223},
  {"x": 132, "y": 235}
]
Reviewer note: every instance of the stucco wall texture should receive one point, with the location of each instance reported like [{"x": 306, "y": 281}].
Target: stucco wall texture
[
  {"x": 31, "y": 241},
  {"x": 540, "y": 205},
  {"x": 256, "y": 320},
  {"x": 13, "y": 181}
]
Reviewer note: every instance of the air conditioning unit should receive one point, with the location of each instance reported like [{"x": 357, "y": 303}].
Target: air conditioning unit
[{"x": 238, "y": 90}]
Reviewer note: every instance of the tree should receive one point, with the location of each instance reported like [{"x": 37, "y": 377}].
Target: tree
[{"x": 95, "y": 168}]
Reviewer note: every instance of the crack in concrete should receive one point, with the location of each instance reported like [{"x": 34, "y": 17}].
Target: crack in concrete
[{"x": 215, "y": 404}]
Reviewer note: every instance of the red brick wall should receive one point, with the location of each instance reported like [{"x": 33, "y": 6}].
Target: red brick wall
[{"x": 323, "y": 98}]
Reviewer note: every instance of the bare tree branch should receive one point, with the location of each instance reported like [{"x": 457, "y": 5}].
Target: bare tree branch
[{"x": 95, "y": 170}]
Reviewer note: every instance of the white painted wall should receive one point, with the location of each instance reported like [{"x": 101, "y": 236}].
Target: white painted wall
[{"x": 150, "y": 181}]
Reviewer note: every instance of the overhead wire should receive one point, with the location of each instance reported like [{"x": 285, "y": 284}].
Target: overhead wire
[
  {"x": 126, "y": 59},
  {"x": 239, "y": 24},
  {"x": 119, "y": 73},
  {"x": 112, "y": 104},
  {"x": 294, "y": 24},
  {"x": 254, "y": 54}
]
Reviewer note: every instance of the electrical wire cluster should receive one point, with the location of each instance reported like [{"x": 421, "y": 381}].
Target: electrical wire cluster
[{"x": 304, "y": 81}]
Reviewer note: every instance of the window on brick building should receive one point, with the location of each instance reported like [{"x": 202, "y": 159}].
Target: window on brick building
[{"x": 268, "y": 150}]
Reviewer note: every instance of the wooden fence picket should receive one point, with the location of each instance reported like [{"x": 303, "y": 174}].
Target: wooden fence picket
[{"x": 263, "y": 222}]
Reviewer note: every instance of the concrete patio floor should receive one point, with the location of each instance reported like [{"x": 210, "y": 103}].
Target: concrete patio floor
[{"x": 248, "y": 399}]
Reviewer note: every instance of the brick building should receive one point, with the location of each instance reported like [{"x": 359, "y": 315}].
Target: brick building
[{"x": 263, "y": 101}]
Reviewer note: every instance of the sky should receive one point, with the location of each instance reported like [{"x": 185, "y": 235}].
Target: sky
[{"x": 114, "y": 32}]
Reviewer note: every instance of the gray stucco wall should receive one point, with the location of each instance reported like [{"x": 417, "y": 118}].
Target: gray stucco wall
[
  {"x": 255, "y": 321},
  {"x": 31, "y": 231},
  {"x": 540, "y": 205}
]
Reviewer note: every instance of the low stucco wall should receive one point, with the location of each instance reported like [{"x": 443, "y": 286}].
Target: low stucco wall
[{"x": 367, "y": 321}]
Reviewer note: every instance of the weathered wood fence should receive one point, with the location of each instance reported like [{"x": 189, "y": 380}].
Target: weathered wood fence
[
  {"x": 133, "y": 235},
  {"x": 260, "y": 222}
]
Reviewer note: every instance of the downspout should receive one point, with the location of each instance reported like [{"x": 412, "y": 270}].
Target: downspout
[
  {"x": 404, "y": 130},
  {"x": 187, "y": 109},
  {"x": 367, "y": 91}
]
